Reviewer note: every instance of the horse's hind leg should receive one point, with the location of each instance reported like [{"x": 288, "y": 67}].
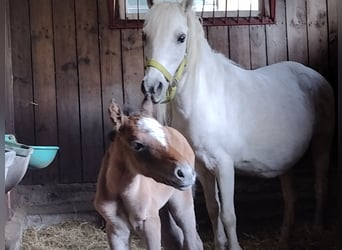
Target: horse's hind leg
[
  {"x": 320, "y": 149},
  {"x": 289, "y": 196}
]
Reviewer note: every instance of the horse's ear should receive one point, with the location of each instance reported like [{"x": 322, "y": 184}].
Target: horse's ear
[
  {"x": 116, "y": 115},
  {"x": 149, "y": 3},
  {"x": 187, "y": 4},
  {"x": 147, "y": 106}
]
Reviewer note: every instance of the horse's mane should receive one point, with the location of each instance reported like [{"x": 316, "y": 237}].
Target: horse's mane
[{"x": 197, "y": 45}]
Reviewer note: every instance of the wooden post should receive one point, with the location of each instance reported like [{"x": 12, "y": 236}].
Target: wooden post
[{"x": 9, "y": 118}]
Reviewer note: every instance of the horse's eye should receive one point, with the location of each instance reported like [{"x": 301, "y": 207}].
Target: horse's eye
[
  {"x": 181, "y": 38},
  {"x": 137, "y": 146}
]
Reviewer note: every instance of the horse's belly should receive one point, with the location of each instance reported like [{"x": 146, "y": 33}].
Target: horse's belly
[{"x": 257, "y": 168}]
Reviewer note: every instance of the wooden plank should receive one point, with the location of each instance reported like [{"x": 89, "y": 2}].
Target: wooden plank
[
  {"x": 296, "y": 31},
  {"x": 318, "y": 35},
  {"x": 111, "y": 71},
  {"x": 333, "y": 47},
  {"x": 67, "y": 91},
  {"x": 133, "y": 66},
  {"x": 276, "y": 36},
  {"x": 44, "y": 83},
  {"x": 22, "y": 75},
  {"x": 218, "y": 39},
  {"x": 89, "y": 87},
  {"x": 9, "y": 102},
  {"x": 239, "y": 45},
  {"x": 257, "y": 46}
]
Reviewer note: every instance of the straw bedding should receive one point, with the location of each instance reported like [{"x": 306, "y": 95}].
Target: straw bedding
[{"x": 84, "y": 235}]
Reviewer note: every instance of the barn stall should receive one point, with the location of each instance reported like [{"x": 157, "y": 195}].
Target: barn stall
[{"x": 70, "y": 58}]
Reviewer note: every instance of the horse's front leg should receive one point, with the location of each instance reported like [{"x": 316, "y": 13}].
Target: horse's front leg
[
  {"x": 225, "y": 179},
  {"x": 208, "y": 182}
]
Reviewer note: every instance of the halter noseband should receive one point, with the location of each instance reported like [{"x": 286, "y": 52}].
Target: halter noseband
[{"x": 172, "y": 80}]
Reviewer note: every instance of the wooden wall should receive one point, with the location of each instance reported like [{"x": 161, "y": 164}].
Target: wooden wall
[{"x": 67, "y": 65}]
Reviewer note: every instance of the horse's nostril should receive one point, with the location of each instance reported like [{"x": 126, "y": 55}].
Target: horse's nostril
[
  {"x": 180, "y": 174},
  {"x": 143, "y": 89},
  {"x": 160, "y": 86}
]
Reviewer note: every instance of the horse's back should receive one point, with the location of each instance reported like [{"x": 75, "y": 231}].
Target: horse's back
[{"x": 313, "y": 85}]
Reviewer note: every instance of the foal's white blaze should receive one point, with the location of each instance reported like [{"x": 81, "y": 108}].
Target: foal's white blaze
[{"x": 154, "y": 128}]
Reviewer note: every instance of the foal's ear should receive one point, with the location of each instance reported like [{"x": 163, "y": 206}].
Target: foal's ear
[
  {"x": 187, "y": 4},
  {"x": 147, "y": 106},
  {"x": 116, "y": 115}
]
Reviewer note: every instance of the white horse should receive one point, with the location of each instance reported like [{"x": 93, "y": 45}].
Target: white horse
[{"x": 259, "y": 122}]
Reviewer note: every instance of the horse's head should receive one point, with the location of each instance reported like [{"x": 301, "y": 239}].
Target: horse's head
[
  {"x": 165, "y": 34},
  {"x": 150, "y": 149}
]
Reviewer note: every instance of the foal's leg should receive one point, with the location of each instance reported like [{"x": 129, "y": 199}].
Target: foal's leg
[
  {"x": 172, "y": 235},
  {"x": 118, "y": 238},
  {"x": 289, "y": 196},
  {"x": 152, "y": 232},
  {"x": 225, "y": 179},
  {"x": 208, "y": 182},
  {"x": 182, "y": 209},
  {"x": 117, "y": 230}
]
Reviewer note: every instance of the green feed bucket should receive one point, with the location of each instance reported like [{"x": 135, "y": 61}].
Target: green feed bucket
[{"x": 42, "y": 156}]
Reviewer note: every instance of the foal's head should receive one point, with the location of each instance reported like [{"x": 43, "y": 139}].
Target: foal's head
[{"x": 151, "y": 149}]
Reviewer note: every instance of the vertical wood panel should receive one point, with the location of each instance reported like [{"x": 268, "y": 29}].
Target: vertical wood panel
[
  {"x": 22, "y": 75},
  {"x": 90, "y": 87},
  {"x": 318, "y": 35},
  {"x": 276, "y": 36},
  {"x": 133, "y": 66},
  {"x": 239, "y": 48},
  {"x": 9, "y": 105},
  {"x": 332, "y": 34},
  {"x": 218, "y": 39},
  {"x": 44, "y": 82},
  {"x": 111, "y": 72},
  {"x": 297, "y": 31},
  {"x": 67, "y": 91},
  {"x": 257, "y": 46}
]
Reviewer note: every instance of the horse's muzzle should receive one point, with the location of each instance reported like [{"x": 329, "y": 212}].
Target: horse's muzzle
[{"x": 153, "y": 90}]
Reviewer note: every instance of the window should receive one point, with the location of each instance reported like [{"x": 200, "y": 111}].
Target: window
[{"x": 130, "y": 13}]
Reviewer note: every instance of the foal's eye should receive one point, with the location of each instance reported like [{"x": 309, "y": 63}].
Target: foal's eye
[
  {"x": 181, "y": 38},
  {"x": 137, "y": 146}
]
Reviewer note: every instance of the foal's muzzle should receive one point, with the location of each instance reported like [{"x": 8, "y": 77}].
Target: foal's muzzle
[{"x": 184, "y": 176}]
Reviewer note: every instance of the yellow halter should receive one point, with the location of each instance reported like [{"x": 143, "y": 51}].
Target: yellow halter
[{"x": 172, "y": 80}]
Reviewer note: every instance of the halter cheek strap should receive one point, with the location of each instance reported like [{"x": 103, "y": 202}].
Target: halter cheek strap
[{"x": 172, "y": 80}]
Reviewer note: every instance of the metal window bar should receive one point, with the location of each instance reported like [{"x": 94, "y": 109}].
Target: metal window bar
[{"x": 266, "y": 16}]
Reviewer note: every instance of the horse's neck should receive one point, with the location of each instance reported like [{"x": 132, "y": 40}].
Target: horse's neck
[{"x": 200, "y": 68}]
